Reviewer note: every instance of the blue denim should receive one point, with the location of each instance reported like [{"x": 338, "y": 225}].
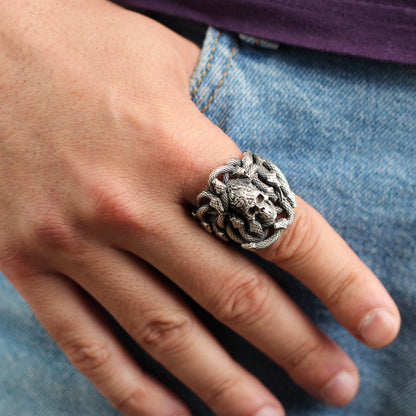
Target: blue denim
[{"x": 342, "y": 130}]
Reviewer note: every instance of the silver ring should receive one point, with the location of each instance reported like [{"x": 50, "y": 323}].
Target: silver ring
[{"x": 248, "y": 201}]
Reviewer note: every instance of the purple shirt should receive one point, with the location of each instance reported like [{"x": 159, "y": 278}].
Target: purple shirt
[{"x": 379, "y": 29}]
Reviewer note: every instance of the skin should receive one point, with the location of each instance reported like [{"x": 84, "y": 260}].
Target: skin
[{"x": 101, "y": 154}]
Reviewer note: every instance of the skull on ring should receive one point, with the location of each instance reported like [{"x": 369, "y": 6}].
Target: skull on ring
[{"x": 250, "y": 202}]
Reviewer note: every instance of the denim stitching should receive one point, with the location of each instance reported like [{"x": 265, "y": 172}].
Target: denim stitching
[
  {"x": 214, "y": 47},
  {"x": 227, "y": 67}
]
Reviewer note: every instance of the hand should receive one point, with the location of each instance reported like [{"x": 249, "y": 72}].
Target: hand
[{"x": 101, "y": 153}]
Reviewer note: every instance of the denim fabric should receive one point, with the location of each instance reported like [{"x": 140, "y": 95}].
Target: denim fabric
[{"x": 342, "y": 131}]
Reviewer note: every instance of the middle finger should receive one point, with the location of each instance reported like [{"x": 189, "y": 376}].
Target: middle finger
[{"x": 245, "y": 298}]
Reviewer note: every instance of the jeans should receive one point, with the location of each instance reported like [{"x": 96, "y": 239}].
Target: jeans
[{"x": 342, "y": 130}]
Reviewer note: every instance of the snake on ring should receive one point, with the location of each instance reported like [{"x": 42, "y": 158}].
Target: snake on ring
[{"x": 248, "y": 201}]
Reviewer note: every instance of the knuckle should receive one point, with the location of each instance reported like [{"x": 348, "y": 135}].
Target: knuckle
[
  {"x": 114, "y": 204},
  {"x": 219, "y": 390},
  {"x": 299, "y": 241},
  {"x": 304, "y": 356},
  {"x": 167, "y": 335},
  {"x": 17, "y": 261},
  {"x": 341, "y": 288},
  {"x": 244, "y": 301},
  {"x": 18, "y": 266},
  {"x": 129, "y": 404},
  {"x": 51, "y": 231},
  {"x": 89, "y": 356}
]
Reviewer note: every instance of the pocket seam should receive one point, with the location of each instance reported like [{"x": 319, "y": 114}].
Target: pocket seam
[
  {"x": 227, "y": 67},
  {"x": 208, "y": 65}
]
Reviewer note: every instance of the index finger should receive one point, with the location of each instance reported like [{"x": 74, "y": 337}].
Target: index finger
[{"x": 313, "y": 252}]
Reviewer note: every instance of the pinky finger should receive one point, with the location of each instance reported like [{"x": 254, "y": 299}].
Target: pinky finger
[{"x": 80, "y": 328}]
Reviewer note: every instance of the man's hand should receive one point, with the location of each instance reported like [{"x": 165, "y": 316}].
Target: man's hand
[{"x": 101, "y": 152}]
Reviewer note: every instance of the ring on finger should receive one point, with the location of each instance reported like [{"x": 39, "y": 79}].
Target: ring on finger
[{"x": 247, "y": 201}]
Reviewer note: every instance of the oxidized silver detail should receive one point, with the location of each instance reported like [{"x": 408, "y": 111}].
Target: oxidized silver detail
[{"x": 248, "y": 201}]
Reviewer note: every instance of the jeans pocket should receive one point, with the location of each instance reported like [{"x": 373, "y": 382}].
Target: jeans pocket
[
  {"x": 205, "y": 59},
  {"x": 213, "y": 71}
]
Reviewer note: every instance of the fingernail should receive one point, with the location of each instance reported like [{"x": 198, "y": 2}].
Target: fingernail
[
  {"x": 270, "y": 411},
  {"x": 341, "y": 389},
  {"x": 378, "y": 328}
]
